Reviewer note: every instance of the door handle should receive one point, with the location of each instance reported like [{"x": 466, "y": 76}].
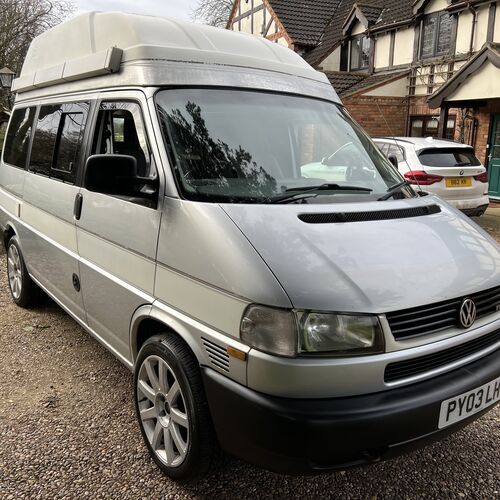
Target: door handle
[{"x": 77, "y": 210}]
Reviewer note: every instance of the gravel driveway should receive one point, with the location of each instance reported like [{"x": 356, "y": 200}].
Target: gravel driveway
[{"x": 68, "y": 430}]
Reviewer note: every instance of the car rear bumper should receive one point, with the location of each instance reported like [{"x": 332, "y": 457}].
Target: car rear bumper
[
  {"x": 300, "y": 436},
  {"x": 470, "y": 204},
  {"x": 475, "y": 212}
]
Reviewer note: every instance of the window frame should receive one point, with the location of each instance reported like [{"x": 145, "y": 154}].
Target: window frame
[
  {"x": 435, "y": 42},
  {"x": 30, "y": 141},
  {"x": 399, "y": 148},
  {"x": 360, "y": 37},
  {"x": 425, "y": 119},
  {"x": 78, "y": 152},
  {"x": 81, "y": 151},
  {"x": 95, "y": 128}
]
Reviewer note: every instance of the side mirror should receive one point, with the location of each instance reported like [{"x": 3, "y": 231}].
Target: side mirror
[
  {"x": 394, "y": 160},
  {"x": 115, "y": 175}
]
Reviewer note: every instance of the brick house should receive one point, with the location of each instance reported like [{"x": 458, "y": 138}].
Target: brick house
[{"x": 418, "y": 68}]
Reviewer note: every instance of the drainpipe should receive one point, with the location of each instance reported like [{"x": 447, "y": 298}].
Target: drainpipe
[{"x": 474, "y": 23}]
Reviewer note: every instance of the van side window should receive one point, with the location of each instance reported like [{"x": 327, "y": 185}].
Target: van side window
[
  {"x": 58, "y": 139},
  {"x": 120, "y": 130},
  {"x": 18, "y": 137},
  {"x": 44, "y": 143}
]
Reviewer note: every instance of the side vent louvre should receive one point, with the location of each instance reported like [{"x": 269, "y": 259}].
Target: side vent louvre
[
  {"x": 344, "y": 217},
  {"x": 217, "y": 354}
]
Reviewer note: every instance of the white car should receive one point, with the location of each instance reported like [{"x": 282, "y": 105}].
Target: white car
[{"x": 443, "y": 167}]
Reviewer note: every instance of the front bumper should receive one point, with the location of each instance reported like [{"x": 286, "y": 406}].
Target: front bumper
[{"x": 299, "y": 436}]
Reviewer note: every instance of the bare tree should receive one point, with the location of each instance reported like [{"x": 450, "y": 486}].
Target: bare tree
[
  {"x": 213, "y": 12},
  {"x": 23, "y": 20}
]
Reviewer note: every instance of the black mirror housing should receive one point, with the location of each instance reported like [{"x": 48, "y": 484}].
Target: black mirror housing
[{"x": 110, "y": 174}]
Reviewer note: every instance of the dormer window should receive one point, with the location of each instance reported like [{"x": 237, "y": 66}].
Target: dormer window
[
  {"x": 436, "y": 35},
  {"x": 360, "y": 53}
]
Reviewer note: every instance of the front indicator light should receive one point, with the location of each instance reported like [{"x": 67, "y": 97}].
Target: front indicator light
[{"x": 270, "y": 330}]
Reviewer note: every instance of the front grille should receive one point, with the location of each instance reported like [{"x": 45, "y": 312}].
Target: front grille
[
  {"x": 345, "y": 217},
  {"x": 439, "y": 316},
  {"x": 395, "y": 372}
]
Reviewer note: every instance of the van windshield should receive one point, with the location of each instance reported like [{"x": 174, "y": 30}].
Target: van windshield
[{"x": 254, "y": 147}]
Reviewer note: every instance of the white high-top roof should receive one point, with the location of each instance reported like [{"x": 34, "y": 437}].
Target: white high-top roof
[{"x": 98, "y": 43}]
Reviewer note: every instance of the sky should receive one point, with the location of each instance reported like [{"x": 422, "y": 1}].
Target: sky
[{"x": 172, "y": 8}]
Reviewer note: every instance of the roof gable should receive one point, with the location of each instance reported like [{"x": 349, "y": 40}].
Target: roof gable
[
  {"x": 489, "y": 53},
  {"x": 304, "y": 20},
  {"x": 367, "y": 15},
  {"x": 379, "y": 15}
]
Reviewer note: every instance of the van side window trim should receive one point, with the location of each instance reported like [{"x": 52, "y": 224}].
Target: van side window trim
[
  {"x": 63, "y": 141},
  {"x": 10, "y": 136}
]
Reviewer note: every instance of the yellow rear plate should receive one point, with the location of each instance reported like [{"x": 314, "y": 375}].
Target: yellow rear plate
[{"x": 458, "y": 182}]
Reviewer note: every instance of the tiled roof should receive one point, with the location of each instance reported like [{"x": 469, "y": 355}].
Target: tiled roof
[
  {"x": 346, "y": 83},
  {"x": 304, "y": 20},
  {"x": 375, "y": 80},
  {"x": 371, "y": 12},
  {"x": 388, "y": 12},
  {"x": 343, "y": 80}
]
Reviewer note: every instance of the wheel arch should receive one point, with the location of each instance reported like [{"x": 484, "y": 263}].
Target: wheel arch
[
  {"x": 149, "y": 321},
  {"x": 8, "y": 232}
]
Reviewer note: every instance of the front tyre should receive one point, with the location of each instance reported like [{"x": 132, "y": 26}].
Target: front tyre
[
  {"x": 172, "y": 409},
  {"x": 24, "y": 292}
]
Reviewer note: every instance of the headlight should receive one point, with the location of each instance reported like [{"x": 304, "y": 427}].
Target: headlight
[
  {"x": 289, "y": 333},
  {"x": 340, "y": 334},
  {"x": 270, "y": 330}
]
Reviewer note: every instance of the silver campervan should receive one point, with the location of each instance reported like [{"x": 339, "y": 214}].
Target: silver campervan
[{"x": 203, "y": 205}]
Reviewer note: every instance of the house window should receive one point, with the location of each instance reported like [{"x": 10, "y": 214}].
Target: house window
[
  {"x": 428, "y": 126},
  {"x": 360, "y": 53},
  {"x": 436, "y": 35}
]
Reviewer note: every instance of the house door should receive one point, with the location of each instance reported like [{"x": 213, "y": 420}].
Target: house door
[{"x": 494, "y": 159}]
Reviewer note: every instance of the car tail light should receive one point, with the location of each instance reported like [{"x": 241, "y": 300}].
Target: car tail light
[
  {"x": 422, "y": 178},
  {"x": 482, "y": 177}
]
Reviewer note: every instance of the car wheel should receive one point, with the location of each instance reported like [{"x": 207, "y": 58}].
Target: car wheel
[
  {"x": 24, "y": 292},
  {"x": 172, "y": 409}
]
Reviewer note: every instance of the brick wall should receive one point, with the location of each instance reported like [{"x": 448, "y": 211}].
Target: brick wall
[
  {"x": 372, "y": 113},
  {"x": 379, "y": 116}
]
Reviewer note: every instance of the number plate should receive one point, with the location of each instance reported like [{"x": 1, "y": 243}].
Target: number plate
[
  {"x": 455, "y": 182},
  {"x": 461, "y": 407}
]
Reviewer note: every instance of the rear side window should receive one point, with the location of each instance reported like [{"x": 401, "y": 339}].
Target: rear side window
[
  {"x": 449, "y": 157},
  {"x": 18, "y": 137},
  {"x": 42, "y": 152},
  {"x": 397, "y": 151},
  {"x": 57, "y": 142},
  {"x": 383, "y": 146}
]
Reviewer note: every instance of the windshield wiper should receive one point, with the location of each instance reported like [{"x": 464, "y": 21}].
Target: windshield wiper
[
  {"x": 297, "y": 193},
  {"x": 393, "y": 190}
]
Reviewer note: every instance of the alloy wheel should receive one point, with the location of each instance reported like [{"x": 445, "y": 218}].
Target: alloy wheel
[
  {"x": 163, "y": 411},
  {"x": 14, "y": 271}
]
